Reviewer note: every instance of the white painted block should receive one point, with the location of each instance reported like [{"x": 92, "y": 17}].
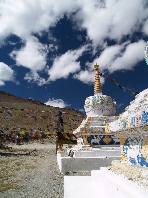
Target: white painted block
[
  {"x": 77, "y": 187},
  {"x": 70, "y": 164},
  {"x": 98, "y": 153},
  {"x": 102, "y": 183},
  {"x": 117, "y": 185}
]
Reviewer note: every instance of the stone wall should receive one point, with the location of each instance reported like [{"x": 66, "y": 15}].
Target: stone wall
[
  {"x": 135, "y": 114},
  {"x": 134, "y": 120},
  {"x": 132, "y": 128}
]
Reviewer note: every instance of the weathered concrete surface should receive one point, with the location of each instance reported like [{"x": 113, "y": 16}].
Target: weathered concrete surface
[
  {"x": 77, "y": 164},
  {"x": 77, "y": 187},
  {"x": 102, "y": 183},
  {"x": 116, "y": 185},
  {"x": 98, "y": 153}
]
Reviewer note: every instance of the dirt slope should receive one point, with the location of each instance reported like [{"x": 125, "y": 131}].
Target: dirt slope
[{"x": 16, "y": 112}]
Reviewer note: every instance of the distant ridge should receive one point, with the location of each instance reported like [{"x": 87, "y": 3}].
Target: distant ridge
[
  {"x": 16, "y": 112},
  {"x": 9, "y": 97}
]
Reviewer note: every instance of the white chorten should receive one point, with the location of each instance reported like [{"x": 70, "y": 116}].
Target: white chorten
[
  {"x": 100, "y": 110},
  {"x": 99, "y": 105}
]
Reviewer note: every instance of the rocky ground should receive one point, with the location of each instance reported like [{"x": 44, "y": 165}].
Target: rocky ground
[{"x": 34, "y": 175}]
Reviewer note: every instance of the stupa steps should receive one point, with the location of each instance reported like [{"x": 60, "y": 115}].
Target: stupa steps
[{"x": 102, "y": 183}]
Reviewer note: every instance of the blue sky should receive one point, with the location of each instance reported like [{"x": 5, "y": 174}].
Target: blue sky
[{"x": 48, "y": 49}]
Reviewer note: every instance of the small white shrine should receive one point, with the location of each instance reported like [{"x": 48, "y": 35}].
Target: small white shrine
[{"x": 100, "y": 110}]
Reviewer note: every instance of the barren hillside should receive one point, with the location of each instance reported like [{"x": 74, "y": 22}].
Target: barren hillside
[{"x": 16, "y": 112}]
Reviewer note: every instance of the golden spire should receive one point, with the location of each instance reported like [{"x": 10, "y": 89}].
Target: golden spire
[{"x": 97, "y": 85}]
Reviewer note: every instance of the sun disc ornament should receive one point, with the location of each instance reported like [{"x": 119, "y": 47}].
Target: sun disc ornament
[{"x": 146, "y": 53}]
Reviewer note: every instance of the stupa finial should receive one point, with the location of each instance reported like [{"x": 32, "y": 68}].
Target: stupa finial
[{"x": 97, "y": 85}]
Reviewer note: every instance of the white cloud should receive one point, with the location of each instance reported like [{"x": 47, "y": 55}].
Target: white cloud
[
  {"x": 66, "y": 64},
  {"x": 35, "y": 78},
  {"x": 114, "y": 58},
  {"x": 6, "y": 73},
  {"x": 128, "y": 60},
  {"x": 23, "y": 18},
  {"x": 119, "y": 57},
  {"x": 106, "y": 19},
  {"x": 119, "y": 105},
  {"x": 107, "y": 57},
  {"x": 87, "y": 77},
  {"x": 82, "y": 110},
  {"x": 101, "y": 19},
  {"x": 145, "y": 27},
  {"x": 57, "y": 103},
  {"x": 32, "y": 55}
]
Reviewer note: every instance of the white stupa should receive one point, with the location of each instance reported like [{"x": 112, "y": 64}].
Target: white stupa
[
  {"x": 99, "y": 105},
  {"x": 100, "y": 110}
]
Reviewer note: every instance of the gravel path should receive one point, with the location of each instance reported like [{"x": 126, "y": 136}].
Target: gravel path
[{"x": 37, "y": 174}]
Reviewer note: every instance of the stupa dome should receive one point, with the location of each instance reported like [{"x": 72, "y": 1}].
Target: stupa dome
[{"x": 99, "y": 104}]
